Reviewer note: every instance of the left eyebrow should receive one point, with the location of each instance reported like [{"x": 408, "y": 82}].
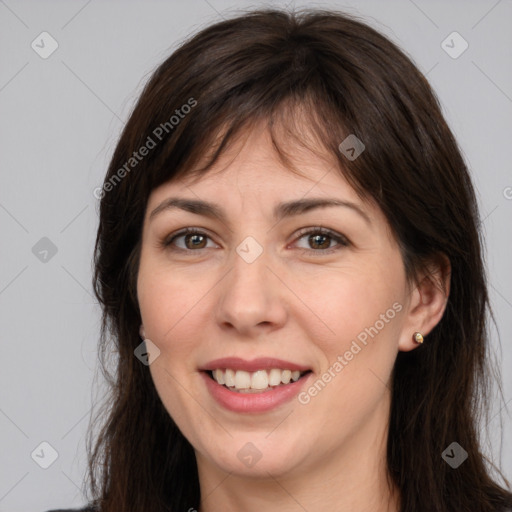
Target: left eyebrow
[
  {"x": 282, "y": 210},
  {"x": 291, "y": 208}
]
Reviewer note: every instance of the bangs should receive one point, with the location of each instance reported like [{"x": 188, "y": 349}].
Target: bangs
[{"x": 295, "y": 125}]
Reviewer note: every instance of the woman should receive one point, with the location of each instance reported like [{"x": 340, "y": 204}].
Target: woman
[{"x": 289, "y": 225}]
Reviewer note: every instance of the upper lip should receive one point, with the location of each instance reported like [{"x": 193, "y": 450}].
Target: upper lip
[{"x": 253, "y": 365}]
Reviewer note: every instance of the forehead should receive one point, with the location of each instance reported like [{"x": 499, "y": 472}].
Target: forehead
[{"x": 251, "y": 168}]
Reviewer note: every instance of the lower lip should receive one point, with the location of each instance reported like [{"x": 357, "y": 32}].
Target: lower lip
[{"x": 253, "y": 402}]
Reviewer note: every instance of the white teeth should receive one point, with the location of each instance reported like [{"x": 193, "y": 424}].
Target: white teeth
[
  {"x": 274, "y": 378},
  {"x": 219, "y": 376},
  {"x": 242, "y": 380},
  {"x": 229, "y": 378},
  {"x": 257, "y": 381}
]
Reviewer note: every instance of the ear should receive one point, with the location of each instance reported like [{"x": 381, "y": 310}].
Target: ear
[{"x": 428, "y": 299}]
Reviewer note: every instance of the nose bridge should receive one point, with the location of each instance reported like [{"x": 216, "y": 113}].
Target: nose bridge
[
  {"x": 247, "y": 274},
  {"x": 249, "y": 298}
]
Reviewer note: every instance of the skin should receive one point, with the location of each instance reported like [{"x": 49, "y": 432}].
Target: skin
[{"x": 294, "y": 302}]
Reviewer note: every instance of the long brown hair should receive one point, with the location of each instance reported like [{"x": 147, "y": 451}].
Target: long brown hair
[{"x": 343, "y": 77}]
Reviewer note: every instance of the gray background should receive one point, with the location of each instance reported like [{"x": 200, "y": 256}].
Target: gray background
[{"x": 60, "y": 119}]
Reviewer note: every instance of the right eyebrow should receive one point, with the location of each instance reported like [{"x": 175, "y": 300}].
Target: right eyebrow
[{"x": 196, "y": 206}]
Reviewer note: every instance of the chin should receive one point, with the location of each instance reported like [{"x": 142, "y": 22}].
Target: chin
[{"x": 256, "y": 456}]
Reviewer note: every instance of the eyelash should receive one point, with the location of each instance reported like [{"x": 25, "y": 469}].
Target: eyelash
[{"x": 337, "y": 237}]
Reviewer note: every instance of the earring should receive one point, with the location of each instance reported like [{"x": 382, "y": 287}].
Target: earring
[
  {"x": 418, "y": 337},
  {"x": 142, "y": 333}
]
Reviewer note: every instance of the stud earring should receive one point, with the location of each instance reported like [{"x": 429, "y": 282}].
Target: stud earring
[{"x": 418, "y": 337}]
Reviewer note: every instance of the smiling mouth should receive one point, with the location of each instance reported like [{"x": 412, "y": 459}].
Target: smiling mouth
[{"x": 241, "y": 381}]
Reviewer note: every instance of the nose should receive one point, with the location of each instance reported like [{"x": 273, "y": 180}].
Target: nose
[{"x": 251, "y": 299}]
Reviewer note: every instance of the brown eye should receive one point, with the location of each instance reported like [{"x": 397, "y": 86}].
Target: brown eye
[
  {"x": 195, "y": 241},
  {"x": 319, "y": 241},
  {"x": 188, "y": 240}
]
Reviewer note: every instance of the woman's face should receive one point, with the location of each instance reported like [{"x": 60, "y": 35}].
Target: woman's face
[{"x": 279, "y": 284}]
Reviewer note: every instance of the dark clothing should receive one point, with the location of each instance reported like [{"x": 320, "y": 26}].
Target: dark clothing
[
  {"x": 94, "y": 510},
  {"x": 89, "y": 509},
  {"x": 86, "y": 509}
]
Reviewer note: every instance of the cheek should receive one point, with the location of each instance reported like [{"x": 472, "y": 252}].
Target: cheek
[
  {"x": 173, "y": 313},
  {"x": 352, "y": 304},
  {"x": 170, "y": 305},
  {"x": 363, "y": 312}
]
